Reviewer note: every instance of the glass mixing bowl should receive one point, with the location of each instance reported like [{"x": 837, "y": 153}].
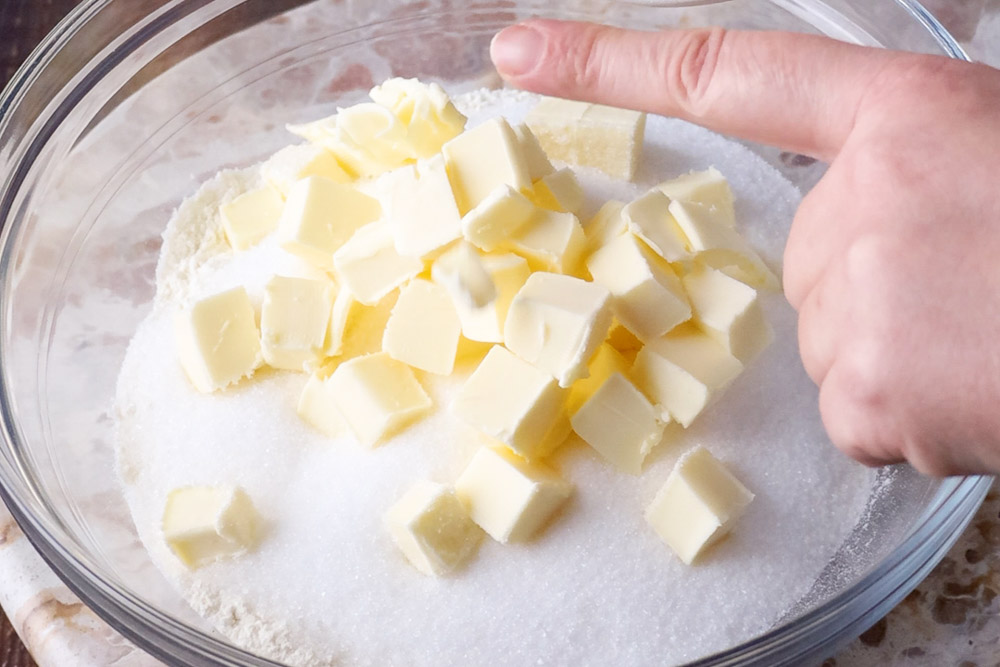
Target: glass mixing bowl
[{"x": 126, "y": 107}]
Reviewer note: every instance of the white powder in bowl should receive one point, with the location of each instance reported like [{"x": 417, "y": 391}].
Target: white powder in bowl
[{"x": 327, "y": 585}]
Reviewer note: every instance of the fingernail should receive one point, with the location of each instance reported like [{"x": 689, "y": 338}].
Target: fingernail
[{"x": 516, "y": 50}]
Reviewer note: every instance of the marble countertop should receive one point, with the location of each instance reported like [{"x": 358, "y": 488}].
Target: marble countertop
[{"x": 952, "y": 618}]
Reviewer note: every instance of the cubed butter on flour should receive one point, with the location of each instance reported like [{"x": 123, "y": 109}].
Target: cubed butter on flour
[
  {"x": 370, "y": 266},
  {"x": 377, "y": 396},
  {"x": 648, "y": 297},
  {"x": 432, "y": 528},
  {"x": 550, "y": 241},
  {"x": 518, "y": 404},
  {"x": 317, "y": 406},
  {"x": 294, "y": 321},
  {"x": 729, "y": 311},
  {"x": 619, "y": 423},
  {"x": 217, "y": 340},
  {"x": 682, "y": 371},
  {"x": 508, "y": 273},
  {"x": 606, "y": 225},
  {"x": 293, "y": 163},
  {"x": 321, "y": 215},
  {"x": 707, "y": 187},
  {"x": 558, "y": 191},
  {"x": 649, "y": 218},
  {"x": 251, "y": 216},
  {"x": 461, "y": 272},
  {"x": 606, "y": 362},
  {"x": 493, "y": 220},
  {"x": 480, "y": 159},
  {"x": 698, "y": 504},
  {"x": 424, "y": 109},
  {"x": 557, "y": 322},
  {"x": 508, "y": 497},
  {"x": 534, "y": 155},
  {"x": 202, "y": 524},
  {"x": 424, "y": 328},
  {"x": 420, "y": 208}
]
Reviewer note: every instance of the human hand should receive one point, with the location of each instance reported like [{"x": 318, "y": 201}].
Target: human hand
[{"x": 893, "y": 260}]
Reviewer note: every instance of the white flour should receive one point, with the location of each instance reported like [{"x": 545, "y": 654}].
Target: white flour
[{"x": 597, "y": 587}]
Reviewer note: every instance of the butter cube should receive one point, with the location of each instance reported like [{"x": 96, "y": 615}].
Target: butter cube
[
  {"x": 294, "y": 321},
  {"x": 318, "y": 407},
  {"x": 606, "y": 225},
  {"x": 370, "y": 266},
  {"x": 293, "y": 163},
  {"x": 728, "y": 311},
  {"x": 707, "y": 187},
  {"x": 365, "y": 139},
  {"x": 550, "y": 241},
  {"x": 508, "y": 497},
  {"x": 623, "y": 340},
  {"x": 377, "y": 396},
  {"x": 590, "y": 135},
  {"x": 424, "y": 328},
  {"x": 558, "y": 191},
  {"x": 366, "y": 326},
  {"x": 682, "y": 371},
  {"x": 421, "y": 210},
  {"x": 461, "y": 272},
  {"x": 557, "y": 322},
  {"x": 534, "y": 156},
  {"x": 649, "y": 298},
  {"x": 344, "y": 305},
  {"x": 698, "y": 504},
  {"x": 606, "y": 362},
  {"x": 424, "y": 109},
  {"x": 649, "y": 218},
  {"x": 432, "y": 528},
  {"x": 720, "y": 245},
  {"x": 320, "y": 215},
  {"x": 619, "y": 423},
  {"x": 493, "y": 220},
  {"x": 251, "y": 216},
  {"x": 508, "y": 273},
  {"x": 217, "y": 340},
  {"x": 202, "y": 524},
  {"x": 510, "y": 400},
  {"x": 483, "y": 158}
]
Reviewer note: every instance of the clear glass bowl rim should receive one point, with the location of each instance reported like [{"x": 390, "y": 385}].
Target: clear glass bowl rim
[{"x": 845, "y": 615}]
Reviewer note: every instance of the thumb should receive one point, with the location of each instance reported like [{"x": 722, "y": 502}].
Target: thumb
[{"x": 799, "y": 92}]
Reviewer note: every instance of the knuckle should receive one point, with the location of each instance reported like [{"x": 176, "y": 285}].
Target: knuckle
[{"x": 688, "y": 70}]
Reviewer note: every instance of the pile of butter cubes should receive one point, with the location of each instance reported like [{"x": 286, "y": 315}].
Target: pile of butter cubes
[{"x": 611, "y": 329}]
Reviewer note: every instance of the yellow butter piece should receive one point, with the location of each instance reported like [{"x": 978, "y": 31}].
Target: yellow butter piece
[
  {"x": 373, "y": 131},
  {"x": 420, "y": 208},
  {"x": 497, "y": 217},
  {"x": 682, "y": 371},
  {"x": 649, "y": 298},
  {"x": 507, "y": 273},
  {"x": 483, "y": 158},
  {"x": 649, "y": 218},
  {"x": 293, "y": 163},
  {"x": 432, "y": 528},
  {"x": 558, "y": 191},
  {"x": 354, "y": 159},
  {"x": 535, "y": 157},
  {"x": 320, "y": 215},
  {"x": 251, "y": 216},
  {"x": 550, "y": 241},
  {"x": 508, "y": 497},
  {"x": 707, "y": 187},
  {"x": 202, "y": 524},
  {"x": 606, "y": 225},
  {"x": 510, "y": 400},
  {"x": 365, "y": 325},
  {"x": 370, "y": 266},
  {"x": 697, "y": 505},
  {"x": 318, "y": 408},
  {"x": 424, "y": 328},
  {"x": 606, "y": 362},
  {"x": 462, "y": 273},
  {"x": 728, "y": 311},
  {"x": 424, "y": 109},
  {"x": 719, "y": 244},
  {"x": 344, "y": 305},
  {"x": 619, "y": 423},
  {"x": 217, "y": 340},
  {"x": 590, "y": 135},
  {"x": 294, "y": 320},
  {"x": 623, "y": 340},
  {"x": 557, "y": 322},
  {"x": 377, "y": 396}
]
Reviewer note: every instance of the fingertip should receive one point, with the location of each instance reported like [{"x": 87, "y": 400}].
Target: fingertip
[{"x": 516, "y": 50}]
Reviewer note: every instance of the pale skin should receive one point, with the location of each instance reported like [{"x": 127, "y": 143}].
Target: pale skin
[{"x": 893, "y": 260}]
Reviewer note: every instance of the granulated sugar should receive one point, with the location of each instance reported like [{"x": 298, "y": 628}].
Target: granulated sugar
[{"x": 596, "y": 587}]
